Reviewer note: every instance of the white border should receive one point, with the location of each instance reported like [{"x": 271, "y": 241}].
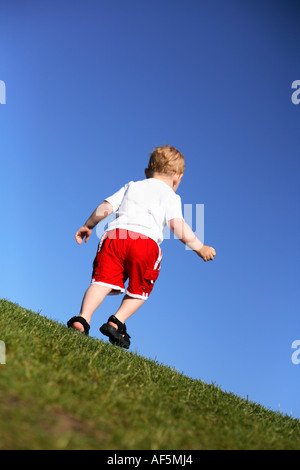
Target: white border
[
  {"x": 144, "y": 296},
  {"x": 120, "y": 289}
]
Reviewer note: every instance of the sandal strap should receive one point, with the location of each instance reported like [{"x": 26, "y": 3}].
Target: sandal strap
[
  {"x": 121, "y": 326},
  {"x": 81, "y": 320}
]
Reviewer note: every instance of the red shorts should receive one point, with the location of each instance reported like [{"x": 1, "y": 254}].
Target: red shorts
[{"x": 123, "y": 254}]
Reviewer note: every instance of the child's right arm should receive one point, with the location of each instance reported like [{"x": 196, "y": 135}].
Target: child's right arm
[
  {"x": 102, "y": 211},
  {"x": 185, "y": 234}
]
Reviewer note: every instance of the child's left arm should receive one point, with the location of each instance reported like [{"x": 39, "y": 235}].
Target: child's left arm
[
  {"x": 102, "y": 211},
  {"x": 185, "y": 234}
]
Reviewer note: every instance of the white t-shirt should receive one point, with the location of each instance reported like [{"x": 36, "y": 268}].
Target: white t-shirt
[{"x": 145, "y": 207}]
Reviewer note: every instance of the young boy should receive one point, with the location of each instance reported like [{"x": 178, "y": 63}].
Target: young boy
[{"x": 130, "y": 247}]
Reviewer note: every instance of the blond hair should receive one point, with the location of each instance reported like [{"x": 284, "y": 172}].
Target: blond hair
[{"x": 167, "y": 160}]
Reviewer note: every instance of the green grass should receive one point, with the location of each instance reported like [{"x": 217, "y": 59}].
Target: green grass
[{"x": 62, "y": 390}]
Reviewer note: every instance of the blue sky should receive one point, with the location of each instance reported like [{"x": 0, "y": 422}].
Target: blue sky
[{"x": 91, "y": 87}]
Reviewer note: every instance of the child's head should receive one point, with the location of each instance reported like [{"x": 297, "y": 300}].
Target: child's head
[{"x": 166, "y": 160}]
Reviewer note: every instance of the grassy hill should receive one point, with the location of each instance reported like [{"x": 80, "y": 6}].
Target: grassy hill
[{"x": 62, "y": 390}]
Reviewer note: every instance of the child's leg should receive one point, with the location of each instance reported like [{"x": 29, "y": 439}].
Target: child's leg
[
  {"x": 127, "y": 308},
  {"x": 92, "y": 299},
  {"x": 115, "y": 328}
]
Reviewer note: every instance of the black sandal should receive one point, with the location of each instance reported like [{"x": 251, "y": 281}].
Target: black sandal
[
  {"x": 81, "y": 320},
  {"x": 116, "y": 334}
]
